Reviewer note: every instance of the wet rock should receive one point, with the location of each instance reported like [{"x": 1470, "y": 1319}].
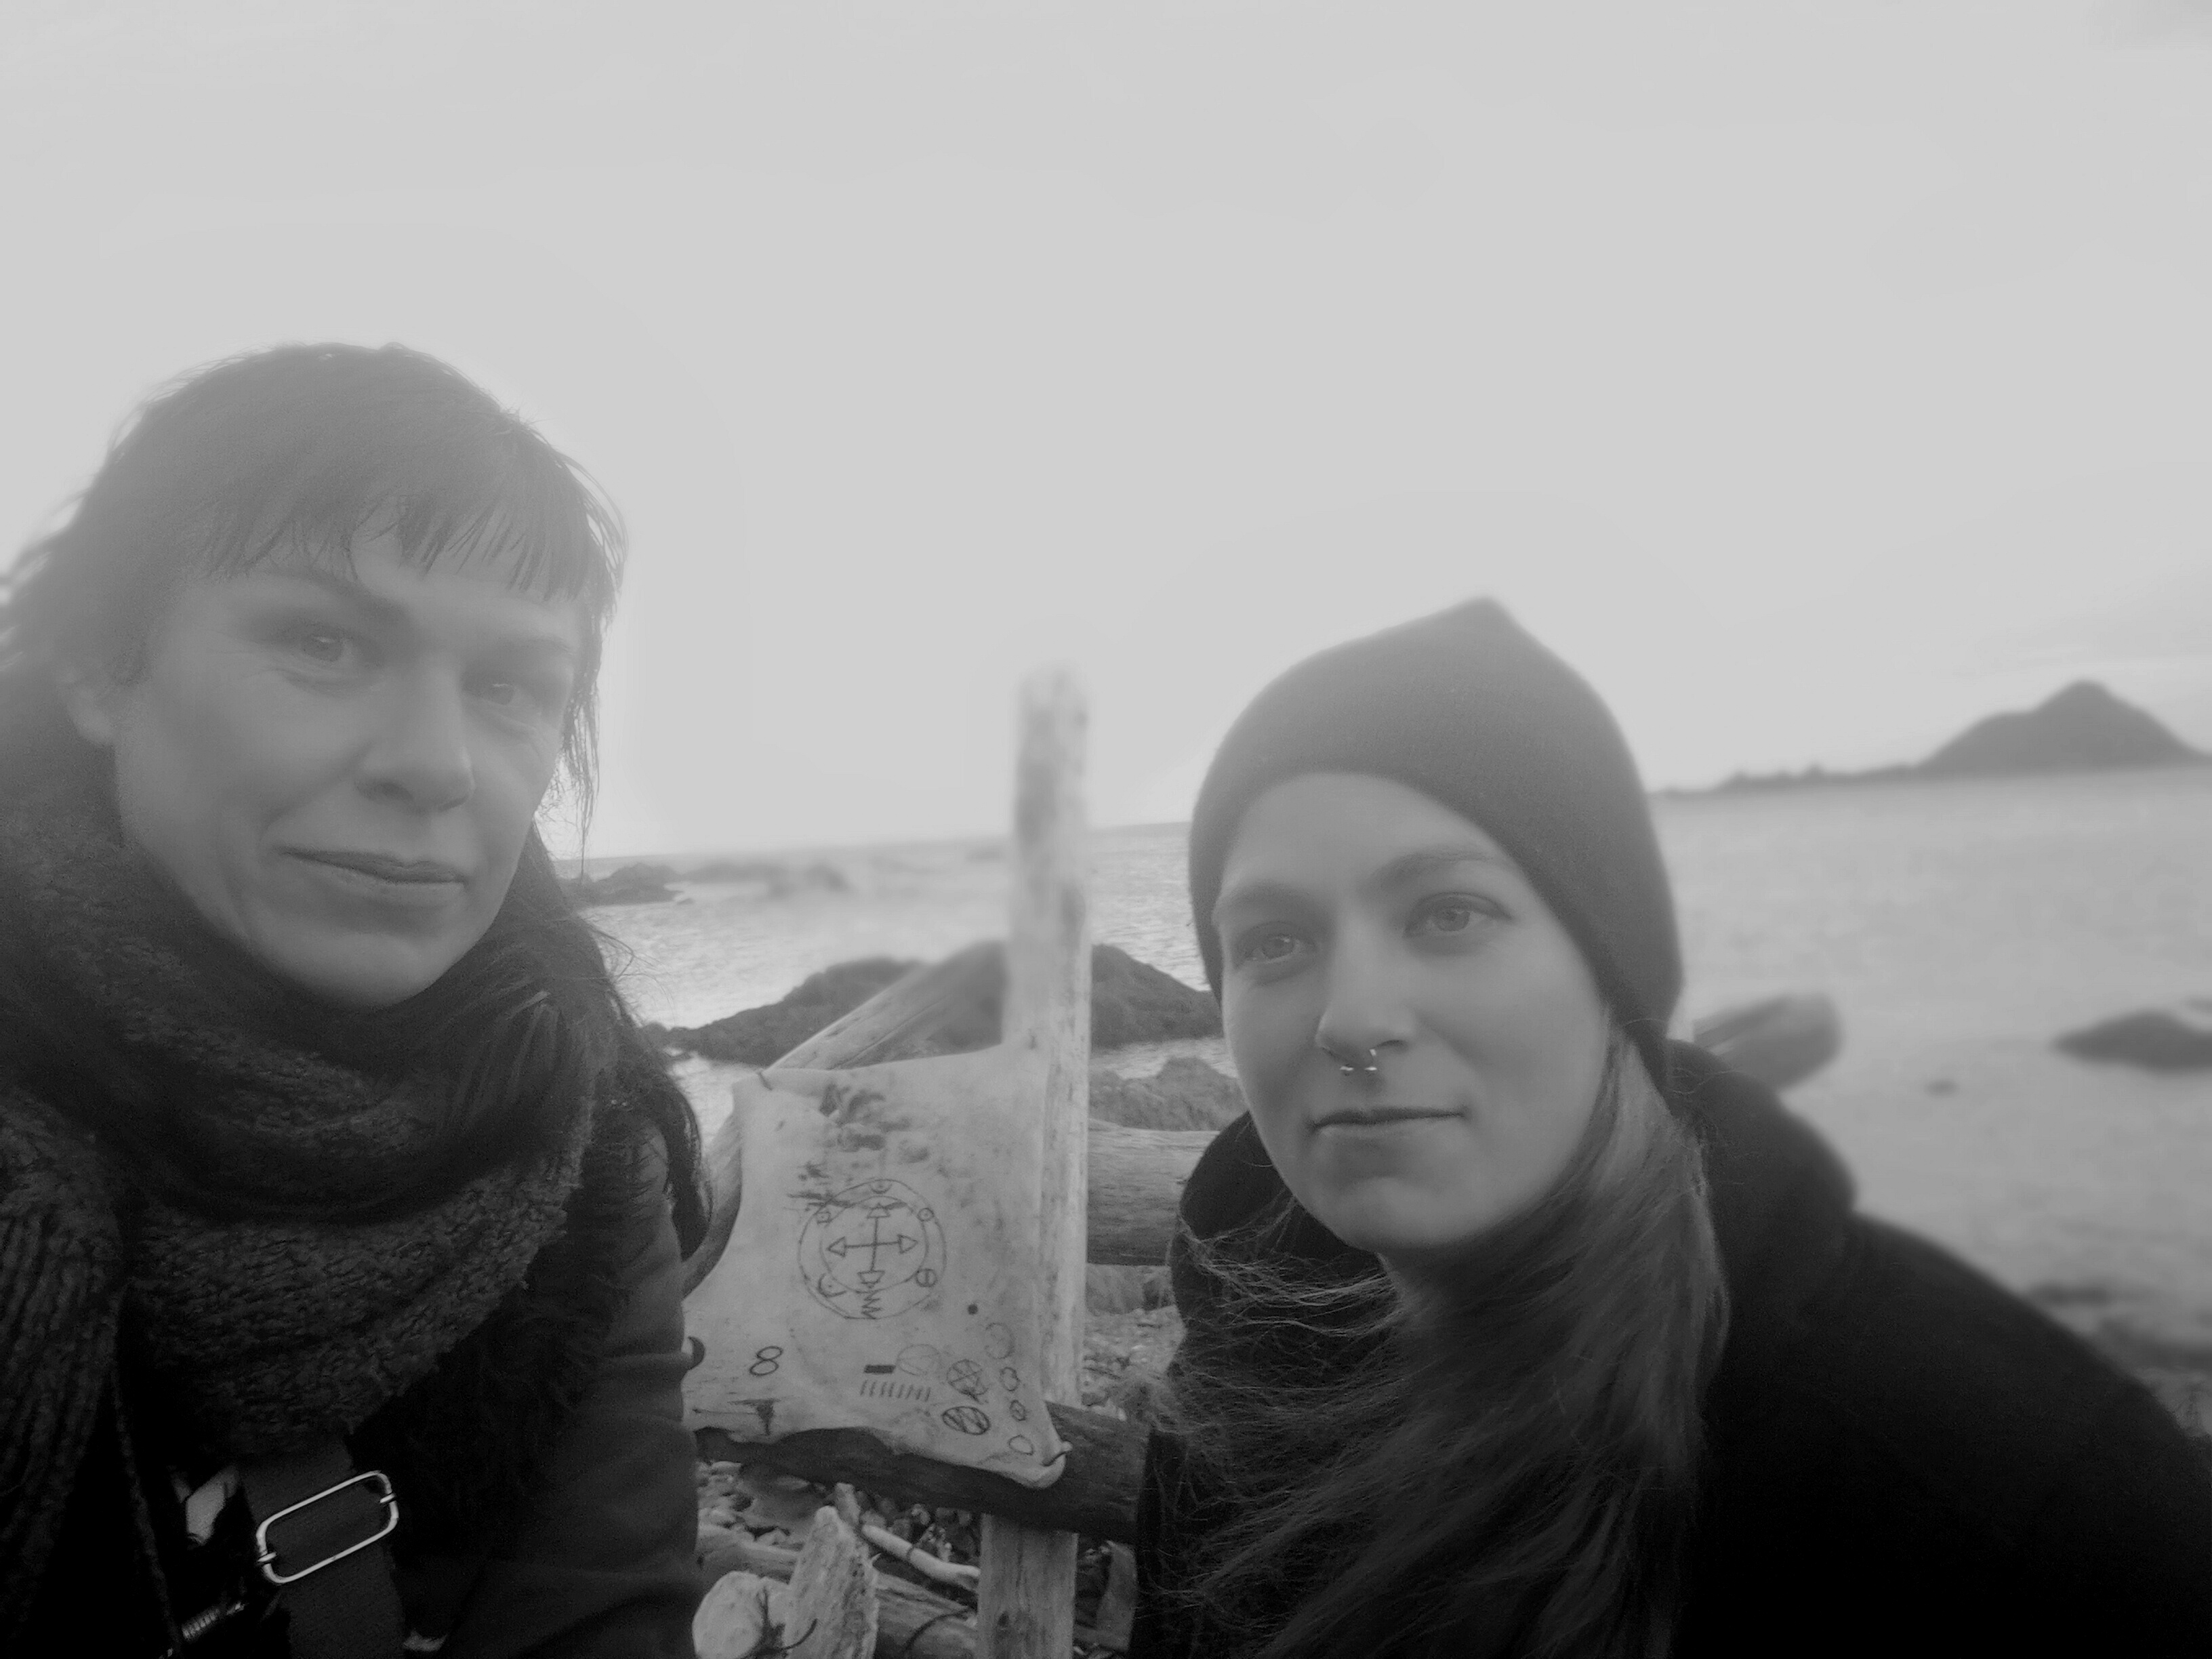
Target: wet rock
[
  {"x": 1183, "y": 1094},
  {"x": 787, "y": 1501},
  {"x": 1131, "y": 1002},
  {"x": 2155, "y": 1039},
  {"x": 634, "y": 884},
  {"x": 763, "y": 1036},
  {"x": 1778, "y": 1040}
]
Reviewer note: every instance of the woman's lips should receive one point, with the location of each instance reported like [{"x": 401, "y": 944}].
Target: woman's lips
[
  {"x": 421, "y": 884},
  {"x": 1382, "y": 1117},
  {"x": 389, "y": 868}
]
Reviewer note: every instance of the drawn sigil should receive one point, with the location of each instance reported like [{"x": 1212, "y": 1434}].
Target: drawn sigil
[
  {"x": 966, "y": 1375},
  {"x": 968, "y": 1419},
  {"x": 873, "y": 1250}
]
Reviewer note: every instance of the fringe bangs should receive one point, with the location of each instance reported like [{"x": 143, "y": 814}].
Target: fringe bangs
[{"x": 302, "y": 449}]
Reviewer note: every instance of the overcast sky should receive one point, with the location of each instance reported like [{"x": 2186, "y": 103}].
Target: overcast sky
[{"x": 1815, "y": 377}]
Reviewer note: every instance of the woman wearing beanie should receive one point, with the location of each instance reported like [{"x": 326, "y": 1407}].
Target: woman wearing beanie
[
  {"x": 341, "y": 1199},
  {"x": 1514, "y": 1328}
]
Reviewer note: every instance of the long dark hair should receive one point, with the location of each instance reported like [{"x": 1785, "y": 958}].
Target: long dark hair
[
  {"x": 1507, "y": 1466},
  {"x": 306, "y": 447}
]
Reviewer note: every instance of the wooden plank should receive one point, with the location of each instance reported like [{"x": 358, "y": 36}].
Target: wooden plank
[
  {"x": 1098, "y": 1496},
  {"x": 1026, "y": 1601},
  {"x": 1135, "y": 1182}
]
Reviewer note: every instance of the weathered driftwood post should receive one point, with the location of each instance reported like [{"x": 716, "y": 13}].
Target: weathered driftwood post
[{"x": 1027, "y": 1596}]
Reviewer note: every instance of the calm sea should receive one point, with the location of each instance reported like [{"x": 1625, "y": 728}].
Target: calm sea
[{"x": 1959, "y": 925}]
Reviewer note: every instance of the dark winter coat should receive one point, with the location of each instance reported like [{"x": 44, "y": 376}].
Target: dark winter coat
[
  {"x": 1903, "y": 1457},
  {"x": 230, "y": 1230},
  {"x": 593, "y": 1556}
]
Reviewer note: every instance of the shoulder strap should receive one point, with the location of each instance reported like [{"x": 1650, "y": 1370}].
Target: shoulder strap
[{"x": 319, "y": 1527}]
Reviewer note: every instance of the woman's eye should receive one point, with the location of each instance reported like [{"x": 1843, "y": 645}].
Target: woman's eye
[
  {"x": 324, "y": 646},
  {"x": 1274, "y": 945},
  {"x": 520, "y": 696},
  {"x": 1453, "y": 915}
]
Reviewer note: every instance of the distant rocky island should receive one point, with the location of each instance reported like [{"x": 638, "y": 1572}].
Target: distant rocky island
[{"x": 2083, "y": 728}]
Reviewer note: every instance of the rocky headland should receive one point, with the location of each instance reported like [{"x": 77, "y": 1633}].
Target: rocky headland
[{"x": 2083, "y": 728}]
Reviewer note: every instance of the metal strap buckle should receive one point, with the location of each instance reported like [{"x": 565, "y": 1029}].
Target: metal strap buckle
[{"x": 264, "y": 1553}]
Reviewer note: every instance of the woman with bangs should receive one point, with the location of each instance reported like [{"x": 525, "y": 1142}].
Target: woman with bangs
[
  {"x": 342, "y": 1202},
  {"x": 1513, "y": 1328}
]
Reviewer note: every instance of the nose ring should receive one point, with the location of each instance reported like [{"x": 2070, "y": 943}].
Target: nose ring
[{"x": 1371, "y": 1067}]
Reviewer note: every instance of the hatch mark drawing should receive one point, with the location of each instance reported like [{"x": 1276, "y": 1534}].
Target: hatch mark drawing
[
  {"x": 871, "y": 1251},
  {"x": 968, "y": 1419},
  {"x": 876, "y": 1389}
]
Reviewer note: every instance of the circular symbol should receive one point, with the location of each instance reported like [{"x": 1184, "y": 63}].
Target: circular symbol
[
  {"x": 1021, "y": 1412},
  {"x": 966, "y": 1375},
  {"x": 1009, "y": 1378},
  {"x": 998, "y": 1340},
  {"x": 1020, "y": 1443},
  {"x": 968, "y": 1419},
  {"x": 871, "y": 1251},
  {"x": 765, "y": 1361},
  {"x": 919, "y": 1359}
]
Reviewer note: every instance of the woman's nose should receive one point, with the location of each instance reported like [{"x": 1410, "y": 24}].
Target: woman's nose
[
  {"x": 1368, "y": 1005},
  {"x": 419, "y": 753}
]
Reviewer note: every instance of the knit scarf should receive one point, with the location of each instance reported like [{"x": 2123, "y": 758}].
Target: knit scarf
[{"x": 282, "y": 1322}]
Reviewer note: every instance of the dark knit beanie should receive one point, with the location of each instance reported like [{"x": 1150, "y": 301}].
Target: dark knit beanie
[{"x": 1465, "y": 708}]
